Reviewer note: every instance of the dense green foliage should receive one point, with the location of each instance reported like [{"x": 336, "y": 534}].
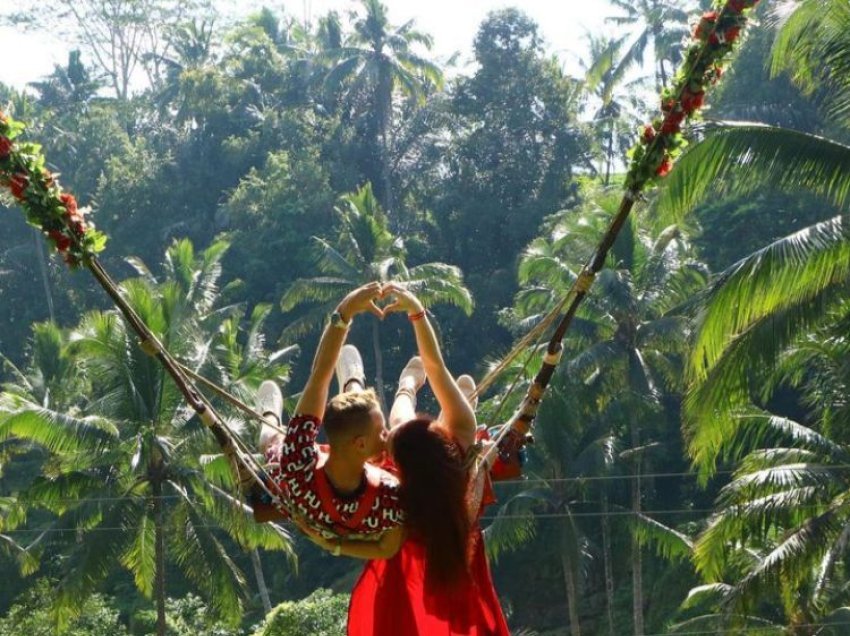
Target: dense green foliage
[
  {"x": 322, "y": 613},
  {"x": 694, "y": 438}
]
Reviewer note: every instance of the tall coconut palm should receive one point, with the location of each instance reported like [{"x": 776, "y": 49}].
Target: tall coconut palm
[
  {"x": 635, "y": 337},
  {"x": 565, "y": 449},
  {"x": 365, "y": 250},
  {"x": 69, "y": 87},
  {"x": 659, "y": 23},
  {"x": 191, "y": 49},
  {"x": 239, "y": 362},
  {"x": 373, "y": 63},
  {"x": 616, "y": 117},
  {"x": 127, "y": 480}
]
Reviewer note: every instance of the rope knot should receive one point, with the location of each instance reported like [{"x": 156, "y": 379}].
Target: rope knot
[
  {"x": 150, "y": 347},
  {"x": 584, "y": 281}
]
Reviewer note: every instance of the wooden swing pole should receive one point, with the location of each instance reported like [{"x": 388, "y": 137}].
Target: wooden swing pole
[{"x": 652, "y": 157}]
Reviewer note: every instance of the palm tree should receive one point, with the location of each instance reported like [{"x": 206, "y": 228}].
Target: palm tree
[
  {"x": 616, "y": 118},
  {"x": 786, "y": 506},
  {"x": 782, "y": 305},
  {"x": 661, "y": 23},
  {"x": 281, "y": 57},
  {"x": 51, "y": 380},
  {"x": 375, "y": 61},
  {"x": 68, "y": 87},
  {"x": 635, "y": 332},
  {"x": 365, "y": 250},
  {"x": 191, "y": 49},
  {"x": 239, "y": 363},
  {"x": 565, "y": 449},
  {"x": 127, "y": 480}
]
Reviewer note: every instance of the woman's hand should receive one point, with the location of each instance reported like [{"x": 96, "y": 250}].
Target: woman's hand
[{"x": 405, "y": 300}]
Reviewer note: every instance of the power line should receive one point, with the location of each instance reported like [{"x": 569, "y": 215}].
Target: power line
[
  {"x": 534, "y": 515},
  {"x": 506, "y": 482},
  {"x": 743, "y": 631},
  {"x": 558, "y": 480}
]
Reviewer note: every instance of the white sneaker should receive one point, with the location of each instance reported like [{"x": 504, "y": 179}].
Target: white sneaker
[
  {"x": 467, "y": 386},
  {"x": 412, "y": 377},
  {"x": 349, "y": 368},
  {"x": 270, "y": 402}
]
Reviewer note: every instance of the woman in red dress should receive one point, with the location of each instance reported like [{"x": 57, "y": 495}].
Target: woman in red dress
[{"x": 439, "y": 583}]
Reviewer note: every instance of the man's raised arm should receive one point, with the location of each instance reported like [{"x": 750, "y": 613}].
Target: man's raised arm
[{"x": 315, "y": 394}]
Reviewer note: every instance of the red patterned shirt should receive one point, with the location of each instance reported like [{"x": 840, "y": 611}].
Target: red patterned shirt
[{"x": 296, "y": 465}]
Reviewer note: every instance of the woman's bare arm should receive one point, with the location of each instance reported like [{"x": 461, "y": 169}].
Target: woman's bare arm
[{"x": 458, "y": 416}]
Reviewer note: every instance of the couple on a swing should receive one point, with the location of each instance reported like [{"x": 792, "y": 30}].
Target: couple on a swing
[{"x": 401, "y": 494}]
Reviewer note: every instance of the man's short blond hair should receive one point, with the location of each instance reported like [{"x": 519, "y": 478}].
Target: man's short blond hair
[{"x": 349, "y": 414}]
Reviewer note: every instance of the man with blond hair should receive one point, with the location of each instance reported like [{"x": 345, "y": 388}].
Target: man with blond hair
[{"x": 332, "y": 490}]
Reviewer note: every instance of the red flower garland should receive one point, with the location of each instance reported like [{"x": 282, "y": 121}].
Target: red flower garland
[
  {"x": 47, "y": 207},
  {"x": 659, "y": 142}
]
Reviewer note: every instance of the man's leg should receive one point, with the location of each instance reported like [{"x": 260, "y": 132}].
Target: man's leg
[
  {"x": 270, "y": 404},
  {"x": 349, "y": 370},
  {"x": 412, "y": 379}
]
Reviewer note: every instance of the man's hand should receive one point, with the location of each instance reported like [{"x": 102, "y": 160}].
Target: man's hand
[
  {"x": 405, "y": 300},
  {"x": 314, "y": 535},
  {"x": 360, "y": 300}
]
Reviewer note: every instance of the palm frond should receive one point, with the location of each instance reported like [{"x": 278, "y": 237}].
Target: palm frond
[
  {"x": 57, "y": 432},
  {"x": 321, "y": 289},
  {"x": 332, "y": 263},
  {"x": 204, "y": 561},
  {"x": 669, "y": 543},
  {"x": 513, "y": 526},
  {"x": 756, "y": 518},
  {"x": 93, "y": 558},
  {"x": 708, "y": 594},
  {"x": 812, "y": 46},
  {"x": 739, "y": 158},
  {"x": 791, "y": 560},
  {"x": 755, "y": 309},
  {"x": 140, "y": 556}
]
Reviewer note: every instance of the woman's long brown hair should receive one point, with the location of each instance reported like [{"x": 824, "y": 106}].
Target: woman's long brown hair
[{"x": 433, "y": 492}]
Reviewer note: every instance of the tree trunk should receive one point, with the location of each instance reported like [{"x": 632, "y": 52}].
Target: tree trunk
[
  {"x": 609, "y": 153},
  {"x": 389, "y": 197},
  {"x": 261, "y": 581},
  {"x": 570, "y": 583},
  {"x": 159, "y": 557},
  {"x": 657, "y": 34},
  {"x": 637, "y": 574},
  {"x": 379, "y": 363},
  {"x": 385, "y": 106},
  {"x": 607, "y": 566}
]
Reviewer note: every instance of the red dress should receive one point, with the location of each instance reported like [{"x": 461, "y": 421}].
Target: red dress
[{"x": 392, "y": 599}]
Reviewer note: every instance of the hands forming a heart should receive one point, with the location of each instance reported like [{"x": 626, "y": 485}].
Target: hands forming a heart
[{"x": 380, "y": 299}]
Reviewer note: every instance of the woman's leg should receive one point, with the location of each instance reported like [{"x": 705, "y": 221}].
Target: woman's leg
[{"x": 467, "y": 386}]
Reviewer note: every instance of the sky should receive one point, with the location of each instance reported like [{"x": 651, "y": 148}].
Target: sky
[{"x": 27, "y": 57}]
